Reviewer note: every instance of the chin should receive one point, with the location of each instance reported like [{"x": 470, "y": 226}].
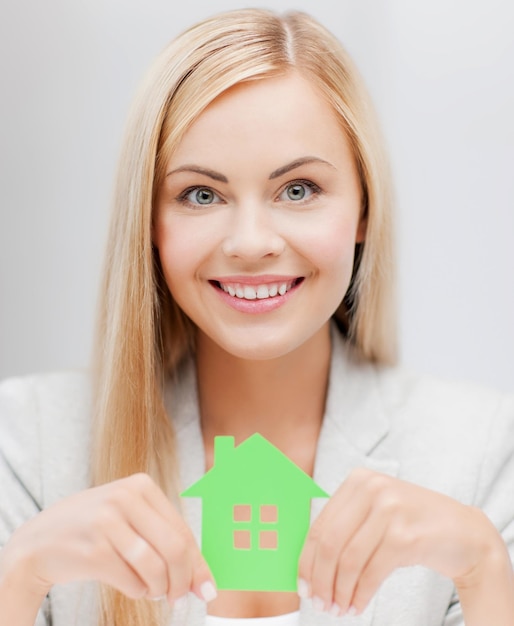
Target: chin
[
  {"x": 262, "y": 344},
  {"x": 258, "y": 350}
]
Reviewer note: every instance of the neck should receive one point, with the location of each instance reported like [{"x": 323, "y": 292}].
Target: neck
[{"x": 275, "y": 397}]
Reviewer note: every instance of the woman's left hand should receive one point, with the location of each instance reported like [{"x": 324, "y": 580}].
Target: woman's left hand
[{"x": 374, "y": 524}]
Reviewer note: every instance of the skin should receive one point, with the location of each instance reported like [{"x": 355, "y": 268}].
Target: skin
[{"x": 272, "y": 367}]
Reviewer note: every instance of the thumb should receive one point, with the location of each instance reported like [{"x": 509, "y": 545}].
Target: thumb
[{"x": 203, "y": 584}]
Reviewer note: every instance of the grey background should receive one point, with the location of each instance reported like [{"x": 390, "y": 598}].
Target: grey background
[{"x": 442, "y": 76}]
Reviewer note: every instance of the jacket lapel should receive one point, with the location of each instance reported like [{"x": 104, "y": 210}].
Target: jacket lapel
[{"x": 355, "y": 421}]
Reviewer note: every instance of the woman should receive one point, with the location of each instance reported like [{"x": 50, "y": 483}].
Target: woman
[{"x": 248, "y": 289}]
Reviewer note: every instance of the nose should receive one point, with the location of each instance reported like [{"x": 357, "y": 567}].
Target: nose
[{"x": 252, "y": 233}]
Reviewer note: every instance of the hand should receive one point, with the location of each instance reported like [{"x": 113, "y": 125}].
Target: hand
[
  {"x": 374, "y": 524},
  {"x": 126, "y": 534}
]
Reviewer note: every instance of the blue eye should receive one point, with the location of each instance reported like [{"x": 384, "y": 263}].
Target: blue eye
[
  {"x": 200, "y": 195},
  {"x": 299, "y": 190}
]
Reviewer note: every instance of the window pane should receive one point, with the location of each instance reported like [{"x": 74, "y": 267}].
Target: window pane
[
  {"x": 242, "y": 540},
  {"x": 268, "y": 540},
  {"x": 269, "y": 513},
  {"x": 242, "y": 513}
]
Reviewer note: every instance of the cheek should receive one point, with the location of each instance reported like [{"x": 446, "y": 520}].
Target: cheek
[
  {"x": 178, "y": 251},
  {"x": 332, "y": 247},
  {"x": 335, "y": 253}
]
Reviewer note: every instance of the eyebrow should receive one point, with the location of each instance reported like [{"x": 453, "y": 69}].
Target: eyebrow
[
  {"x": 297, "y": 163},
  {"x": 200, "y": 170},
  {"x": 275, "y": 174}
]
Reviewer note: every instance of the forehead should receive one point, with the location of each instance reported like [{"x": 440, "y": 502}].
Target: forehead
[{"x": 282, "y": 117}]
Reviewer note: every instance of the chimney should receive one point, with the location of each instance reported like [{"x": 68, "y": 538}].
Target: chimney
[{"x": 223, "y": 446}]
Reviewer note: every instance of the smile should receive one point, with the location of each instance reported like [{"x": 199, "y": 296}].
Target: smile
[{"x": 257, "y": 292}]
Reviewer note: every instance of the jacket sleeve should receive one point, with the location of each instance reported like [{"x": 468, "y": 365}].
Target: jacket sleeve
[
  {"x": 21, "y": 489},
  {"x": 495, "y": 487}
]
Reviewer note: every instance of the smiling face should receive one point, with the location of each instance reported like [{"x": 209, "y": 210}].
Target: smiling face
[{"x": 257, "y": 218}]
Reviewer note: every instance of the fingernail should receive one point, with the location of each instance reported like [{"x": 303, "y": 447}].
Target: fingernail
[
  {"x": 157, "y": 598},
  {"x": 335, "y": 610},
  {"x": 318, "y": 604},
  {"x": 303, "y": 589},
  {"x": 351, "y": 611},
  {"x": 208, "y": 591}
]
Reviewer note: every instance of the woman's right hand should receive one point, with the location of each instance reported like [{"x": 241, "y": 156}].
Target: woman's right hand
[{"x": 126, "y": 534}]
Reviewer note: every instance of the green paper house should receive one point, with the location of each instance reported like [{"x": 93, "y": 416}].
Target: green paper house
[{"x": 255, "y": 515}]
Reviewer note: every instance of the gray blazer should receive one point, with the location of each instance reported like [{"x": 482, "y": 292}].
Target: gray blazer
[{"x": 453, "y": 438}]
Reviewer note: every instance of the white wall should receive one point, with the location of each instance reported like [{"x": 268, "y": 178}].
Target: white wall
[{"x": 441, "y": 73}]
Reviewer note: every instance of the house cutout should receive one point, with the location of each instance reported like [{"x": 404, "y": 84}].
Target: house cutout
[{"x": 255, "y": 515}]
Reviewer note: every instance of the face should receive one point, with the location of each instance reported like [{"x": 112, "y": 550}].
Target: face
[{"x": 257, "y": 218}]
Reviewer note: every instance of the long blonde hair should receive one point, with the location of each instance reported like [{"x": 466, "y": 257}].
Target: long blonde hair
[{"x": 142, "y": 334}]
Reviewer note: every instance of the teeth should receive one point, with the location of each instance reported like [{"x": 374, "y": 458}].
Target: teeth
[
  {"x": 262, "y": 292},
  {"x": 259, "y": 292},
  {"x": 250, "y": 293}
]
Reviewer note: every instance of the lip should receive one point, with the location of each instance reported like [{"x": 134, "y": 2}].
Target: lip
[
  {"x": 262, "y": 279},
  {"x": 256, "y": 307}
]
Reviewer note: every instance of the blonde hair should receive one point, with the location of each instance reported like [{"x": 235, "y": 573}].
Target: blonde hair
[{"x": 142, "y": 334}]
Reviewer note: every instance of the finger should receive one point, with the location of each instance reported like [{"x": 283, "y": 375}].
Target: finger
[
  {"x": 331, "y": 531},
  {"x": 187, "y": 570},
  {"x": 172, "y": 542},
  {"x": 203, "y": 584},
  {"x": 338, "y": 532},
  {"x": 117, "y": 573},
  {"x": 155, "y": 519},
  {"x": 354, "y": 558},
  {"x": 154, "y": 495},
  {"x": 114, "y": 570},
  {"x": 381, "y": 563},
  {"x": 200, "y": 578},
  {"x": 316, "y": 534},
  {"x": 141, "y": 558}
]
